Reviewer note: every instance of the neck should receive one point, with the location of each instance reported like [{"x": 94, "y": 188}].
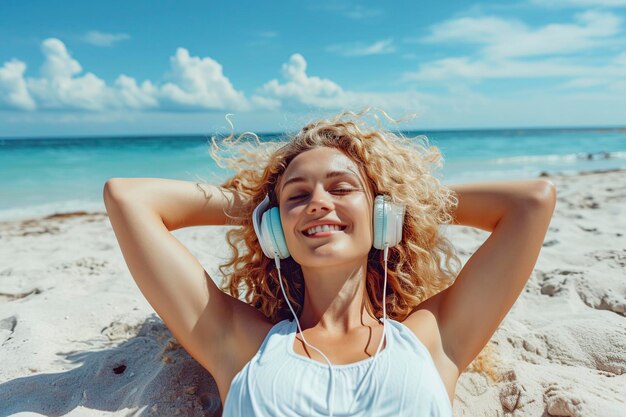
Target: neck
[{"x": 336, "y": 300}]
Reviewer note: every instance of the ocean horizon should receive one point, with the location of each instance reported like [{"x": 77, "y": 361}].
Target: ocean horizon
[{"x": 43, "y": 176}]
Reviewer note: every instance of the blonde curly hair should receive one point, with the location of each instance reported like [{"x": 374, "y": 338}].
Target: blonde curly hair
[{"x": 420, "y": 266}]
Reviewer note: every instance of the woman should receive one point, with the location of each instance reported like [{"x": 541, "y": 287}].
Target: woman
[{"x": 391, "y": 324}]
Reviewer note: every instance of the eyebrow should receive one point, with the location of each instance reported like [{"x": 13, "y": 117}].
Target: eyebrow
[{"x": 330, "y": 174}]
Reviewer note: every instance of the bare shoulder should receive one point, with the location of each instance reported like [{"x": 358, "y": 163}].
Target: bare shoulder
[{"x": 425, "y": 323}]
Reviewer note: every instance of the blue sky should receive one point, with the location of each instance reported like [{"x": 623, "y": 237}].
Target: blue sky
[{"x": 161, "y": 67}]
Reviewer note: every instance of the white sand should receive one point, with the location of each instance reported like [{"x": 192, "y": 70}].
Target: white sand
[{"x": 77, "y": 338}]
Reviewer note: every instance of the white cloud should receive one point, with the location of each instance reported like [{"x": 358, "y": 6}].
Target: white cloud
[
  {"x": 132, "y": 96},
  {"x": 195, "y": 83},
  {"x": 104, "y": 39},
  {"x": 511, "y": 49},
  {"x": 13, "y": 90},
  {"x": 384, "y": 46},
  {"x": 472, "y": 30},
  {"x": 478, "y": 69},
  {"x": 467, "y": 68},
  {"x": 200, "y": 82},
  {"x": 584, "y": 82},
  {"x": 510, "y": 38},
  {"x": 265, "y": 102},
  {"x": 300, "y": 90},
  {"x": 60, "y": 87},
  {"x": 579, "y": 3},
  {"x": 58, "y": 62},
  {"x": 611, "y": 76}
]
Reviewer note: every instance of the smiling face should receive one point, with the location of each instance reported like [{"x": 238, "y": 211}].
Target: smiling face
[{"x": 323, "y": 185}]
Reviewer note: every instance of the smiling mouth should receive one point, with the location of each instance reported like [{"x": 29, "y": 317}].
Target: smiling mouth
[{"x": 325, "y": 233}]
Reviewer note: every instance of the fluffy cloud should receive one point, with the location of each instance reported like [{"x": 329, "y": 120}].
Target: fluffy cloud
[
  {"x": 59, "y": 86},
  {"x": 300, "y": 88},
  {"x": 13, "y": 90},
  {"x": 510, "y": 49},
  {"x": 302, "y": 91},
  {"x": 503, "y": 38},
  {"x": 199, "y": 82},
  {"x": 194, "y": 83},
  {"x": 58, "y": 62},
  {"x": 130, "y": 95}
]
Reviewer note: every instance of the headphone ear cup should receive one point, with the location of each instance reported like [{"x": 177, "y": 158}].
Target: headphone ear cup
[
  {"x": 388, "y": 221},
  {"x": 379, "y": 222},
  {"x": 273, "y": 235}
]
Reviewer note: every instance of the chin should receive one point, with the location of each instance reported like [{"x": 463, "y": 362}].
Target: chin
[{"x": 328, "y": 259}]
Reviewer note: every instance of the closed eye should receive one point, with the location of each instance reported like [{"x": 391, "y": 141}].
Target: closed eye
[{"x": 336, "y": 190}]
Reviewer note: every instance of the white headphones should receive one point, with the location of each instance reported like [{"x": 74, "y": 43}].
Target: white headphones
[{"x": 388, "y": 220}]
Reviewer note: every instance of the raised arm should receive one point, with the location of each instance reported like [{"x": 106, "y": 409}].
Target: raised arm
[
  {"x": 142, "y": 212},
  {"x": 517, "y": 213},
  {"x": 182, "y": 203}
]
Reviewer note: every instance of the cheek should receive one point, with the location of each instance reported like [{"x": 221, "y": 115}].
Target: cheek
[
  {"x": 288, "y": 221},
  {"x": 363, "y": 227},
  {"x": 359, "y": 218}
]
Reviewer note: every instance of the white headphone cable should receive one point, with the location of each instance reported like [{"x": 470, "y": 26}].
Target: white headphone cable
[{"x": 330, "y": 399}]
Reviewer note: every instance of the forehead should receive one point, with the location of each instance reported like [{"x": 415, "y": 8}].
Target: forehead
[{"x": 317, "y": 162}]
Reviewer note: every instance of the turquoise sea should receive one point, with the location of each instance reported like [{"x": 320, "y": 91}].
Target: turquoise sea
[{"x": 55, "y": 175}]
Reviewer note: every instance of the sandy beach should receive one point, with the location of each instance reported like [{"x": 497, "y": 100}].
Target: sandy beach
[{"x": 77, "y": 338}]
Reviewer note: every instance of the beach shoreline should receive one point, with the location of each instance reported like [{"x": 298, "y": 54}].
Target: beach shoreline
[
  {"x": 27, "y": 220},
  {"x": 77, "y": 338}
]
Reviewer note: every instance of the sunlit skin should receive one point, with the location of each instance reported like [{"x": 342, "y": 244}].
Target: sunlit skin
[
  {"x": 334, "y": 266},
  {"x": 216, "y": 329}
]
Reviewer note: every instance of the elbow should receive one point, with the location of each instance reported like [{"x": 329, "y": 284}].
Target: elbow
[
  {"x": 111, "y": 188},
  {"x": 543, "y": 194},
  {"x": 546, "y": 191}
]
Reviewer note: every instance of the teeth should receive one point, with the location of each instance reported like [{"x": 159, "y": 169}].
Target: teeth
[{"x": 324, "y": 228}]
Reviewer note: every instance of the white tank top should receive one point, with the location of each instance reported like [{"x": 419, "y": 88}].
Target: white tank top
[{"x": 403, "y": 382}]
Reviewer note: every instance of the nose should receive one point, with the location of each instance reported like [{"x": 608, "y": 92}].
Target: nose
[{"x": 320, "y": 201}]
